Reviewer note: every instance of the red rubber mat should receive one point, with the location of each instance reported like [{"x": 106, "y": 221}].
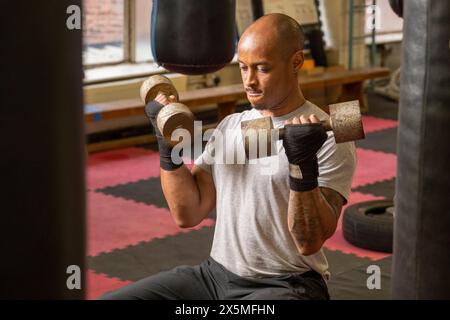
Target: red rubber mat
[
  {"x": 372, "y": 124},
  {"x": 373, "y": 166},
  {"x": 98, "y": 284},
  {"x": 114, "y": 223},
  {"x": 121, "y": 166}
]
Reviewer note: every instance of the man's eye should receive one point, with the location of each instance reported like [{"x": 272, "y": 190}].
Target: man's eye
[
  {"x": 264, "y": 70},
  {"x": 243, "y": 67}
]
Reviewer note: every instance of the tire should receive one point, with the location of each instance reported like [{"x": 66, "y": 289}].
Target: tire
[{"x": 368, "y": 225}]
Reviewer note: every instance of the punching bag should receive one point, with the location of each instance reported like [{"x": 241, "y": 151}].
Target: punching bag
[
  {"x": 42, "y": 238},
  {"x": 397, "y": 7},
  {"x": 193, "y": 36},
  {"x": 421, "y": 261}
]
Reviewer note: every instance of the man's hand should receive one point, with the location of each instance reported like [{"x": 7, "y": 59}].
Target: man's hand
[
  {"x": 151, "y": 110},
  {"x": 164, "y": 100},
  {"x": 153, "y": 107},
  {"x": 303, "y": 137}
]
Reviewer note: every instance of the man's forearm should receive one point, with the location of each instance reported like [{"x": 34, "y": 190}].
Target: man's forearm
[
  {"x": 182, "y": 195},
  {"x": 311, "y": 220}
]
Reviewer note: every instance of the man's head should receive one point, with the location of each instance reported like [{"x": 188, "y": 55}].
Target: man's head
[{"x": 270, "y": 55}]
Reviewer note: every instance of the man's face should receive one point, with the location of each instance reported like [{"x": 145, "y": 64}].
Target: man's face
[{"x": 268, "y": 78}]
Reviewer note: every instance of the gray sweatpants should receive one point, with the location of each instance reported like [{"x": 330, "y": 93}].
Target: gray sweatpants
[{"x": 211, "y": 281}]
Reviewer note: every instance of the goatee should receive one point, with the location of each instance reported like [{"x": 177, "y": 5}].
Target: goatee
[{"x": 260, "y": 107}]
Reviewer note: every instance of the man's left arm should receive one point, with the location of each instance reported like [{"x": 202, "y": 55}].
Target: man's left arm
[{"x": 313, "y": 211}]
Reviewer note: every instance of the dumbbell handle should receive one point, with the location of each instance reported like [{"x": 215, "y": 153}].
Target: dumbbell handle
[{"x": 325, "y": 123}]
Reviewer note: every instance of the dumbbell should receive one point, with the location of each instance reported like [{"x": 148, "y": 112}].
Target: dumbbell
[
  {"x": 172, "y": 116},
  {"x": 345, "y": 121}
]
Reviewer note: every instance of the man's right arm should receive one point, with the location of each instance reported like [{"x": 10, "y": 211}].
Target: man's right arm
[{"x": 191, "y": 195}]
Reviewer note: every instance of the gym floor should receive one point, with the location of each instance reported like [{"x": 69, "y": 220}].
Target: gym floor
[{"x": 131, "y": 234}]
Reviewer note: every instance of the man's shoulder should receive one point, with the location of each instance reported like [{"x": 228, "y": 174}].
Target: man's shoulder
[
  {"x": 311, "y": 108},
  {"x": 233, "y": 120}
]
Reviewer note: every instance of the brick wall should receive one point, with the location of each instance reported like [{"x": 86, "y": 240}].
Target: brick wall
[{"x": 103, "y": 21}]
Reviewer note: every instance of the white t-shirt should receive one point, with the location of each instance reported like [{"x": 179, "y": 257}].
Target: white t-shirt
[{"x": 251, "y": 237}]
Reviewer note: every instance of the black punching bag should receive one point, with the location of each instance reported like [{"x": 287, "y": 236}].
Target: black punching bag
[
  {"x": 397, "y": 7},
  {"x": 43, "y": 200},
  {"x": 421, "y": 262},
  {"x": 193, "y": 36}
]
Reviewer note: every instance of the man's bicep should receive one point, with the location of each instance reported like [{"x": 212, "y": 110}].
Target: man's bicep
[
  {"x": 206, "y": 187},
  {"x": 337, "y": 164}
]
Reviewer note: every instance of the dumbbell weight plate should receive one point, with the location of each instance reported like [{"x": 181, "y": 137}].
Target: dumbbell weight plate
[
  {"x": 174, "y": 116},
  {"x": 154, "y": 85},
  {"x": 345, "y": 119}
]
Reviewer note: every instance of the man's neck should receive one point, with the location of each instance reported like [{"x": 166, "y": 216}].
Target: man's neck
[{"x": 292, "y": 103}]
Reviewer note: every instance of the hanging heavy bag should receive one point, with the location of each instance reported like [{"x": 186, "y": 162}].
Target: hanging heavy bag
[{"x": 193, "y": 36}]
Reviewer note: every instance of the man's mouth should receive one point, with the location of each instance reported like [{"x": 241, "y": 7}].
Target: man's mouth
[{"x": 254, "y": 93}]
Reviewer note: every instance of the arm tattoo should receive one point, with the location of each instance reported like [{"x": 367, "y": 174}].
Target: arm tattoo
[{"x": 313, "y": 216}]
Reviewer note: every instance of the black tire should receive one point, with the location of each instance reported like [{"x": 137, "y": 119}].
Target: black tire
[{"x": 368, "y": 225}]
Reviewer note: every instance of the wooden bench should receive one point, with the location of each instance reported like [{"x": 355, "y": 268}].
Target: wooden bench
[{"x": 227, "y": 97}]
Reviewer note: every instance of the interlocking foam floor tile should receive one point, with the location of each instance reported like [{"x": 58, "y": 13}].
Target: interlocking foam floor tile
[
  {"x": 150, "y": 257},
  {"x": 384, "y": 189},
  {"x": 384, "y": 141},
  {"x": 373, "y": 124},
  {"x": 373, "y": 166},
  {"x": 339, "y": 262},
  {"x": 121, "y": 166},
  {"x": 352, "y": 284},
  {"x": 115, "y": 223},
  {"x": 99, "y": 284},
  {"x": 146, "y": 191}
]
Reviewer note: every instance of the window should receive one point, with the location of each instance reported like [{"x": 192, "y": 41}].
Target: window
[
  {"x": 143, "y": 11},
  {"x": 116, "y": 31},
  {"x": 103, "y": 31},
  {"x": 388, "y": 26}
]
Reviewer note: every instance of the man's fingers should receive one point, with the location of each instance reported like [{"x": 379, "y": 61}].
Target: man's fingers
[
  {"x": 314, "y": 119},
  {"x": 304, "y": 120},
  {"x": 161, "y": 98}
]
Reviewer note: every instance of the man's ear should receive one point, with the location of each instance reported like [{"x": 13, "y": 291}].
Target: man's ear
[{"x": 298, "y": 60}]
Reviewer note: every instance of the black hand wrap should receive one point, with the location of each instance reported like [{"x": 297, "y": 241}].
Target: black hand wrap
[
  {"x": 301, "y": 143},
  {"x": 151, "y": 110}
]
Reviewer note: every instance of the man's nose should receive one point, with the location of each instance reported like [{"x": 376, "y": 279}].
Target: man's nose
[{"x": 250, "y": 79}]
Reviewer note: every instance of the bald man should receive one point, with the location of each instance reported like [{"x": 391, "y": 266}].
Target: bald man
[{"x": 270, "y": 226}]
